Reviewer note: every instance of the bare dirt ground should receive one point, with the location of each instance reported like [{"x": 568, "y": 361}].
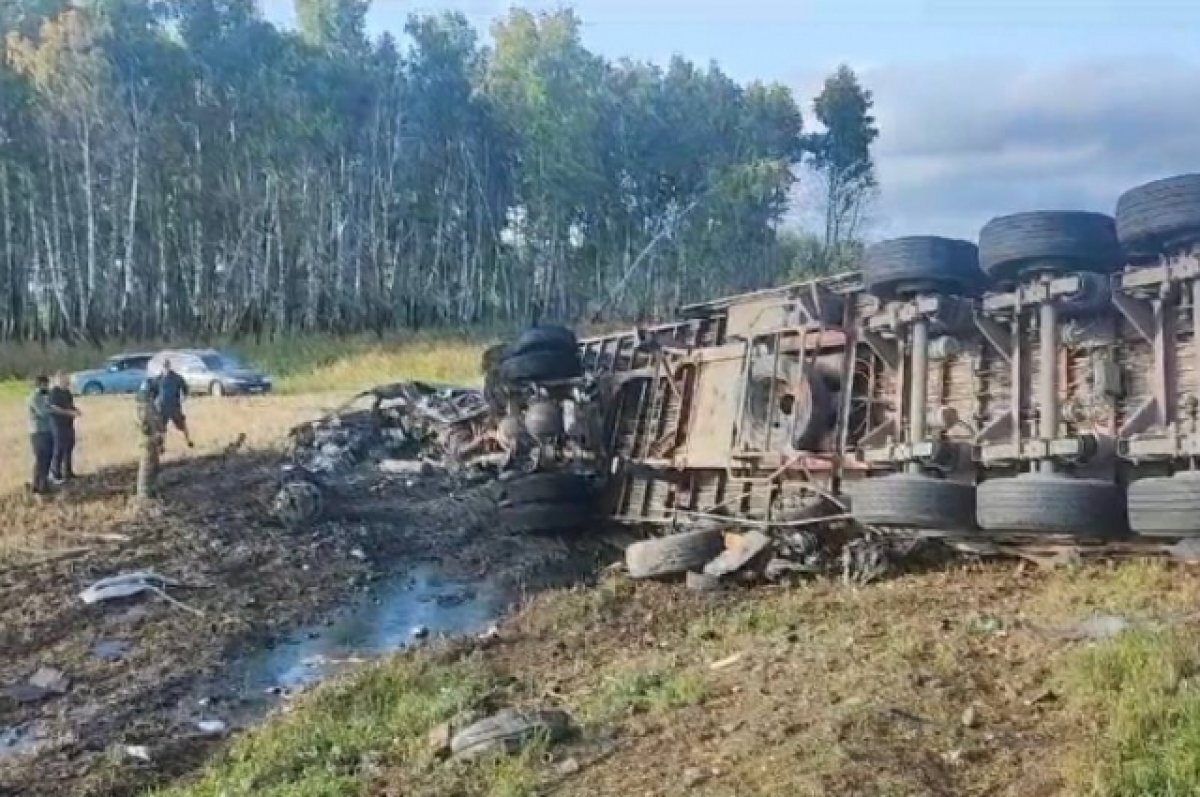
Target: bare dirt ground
[{"x": 250, "y": 582}]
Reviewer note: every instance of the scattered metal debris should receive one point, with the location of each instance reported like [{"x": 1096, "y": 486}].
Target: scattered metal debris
[
  {"x": 126, "y": 585},
  {"x": 508, "y": 731}
]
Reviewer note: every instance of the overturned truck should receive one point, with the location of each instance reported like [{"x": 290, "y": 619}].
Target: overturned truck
[{"x": 1037, "y": 389}]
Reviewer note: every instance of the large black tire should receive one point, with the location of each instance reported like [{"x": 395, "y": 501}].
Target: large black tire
[
  {"x": 542, "y": 487},
  {"x": 1166, "y": 507},
  {"x": 1043, "y": 504},
  {"x": 1056, "y": 240},
  {"x": 922, "y": 263},
  {"x": 915, "y": 501},
  {"x": 1155, "y": 215},
  {"x": 548, "y": 338},
  {"x": 813, "y": 410},
  {"x": 541, "y": 366},
  {"x": 673, "y": 555},
  {"x": 563, "y": 517}
]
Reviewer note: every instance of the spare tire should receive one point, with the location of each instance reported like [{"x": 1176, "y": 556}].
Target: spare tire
[
  {"x": 812, "y": 409},
  {"x": 673, "y": 555},
  {"x": 1151, "y": 217},
  {"x": 548, "y": 338},
  {"x": 1057, "y": 240},
  {"x": 539, "y": 366},
  {"x": 923, "y": 263}
]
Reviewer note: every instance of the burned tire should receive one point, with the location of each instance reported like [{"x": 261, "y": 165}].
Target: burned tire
[
  {"x": 913, "y": 500},
  {"x": 541, "y": 366},
  {"x": 509, "y": 731},
  {"x": 920, "y": 264},
  {"x": 298, "y": 503},
  {"x": 560, "y": 517},
  {"x": 673, "y": 555},
  {"x": 542, "y": 487},
  {"x": 1166, "y": 507},
  {"x": 1153, "y": 216},
  {"x": 1042, "y": 504},
  {"x": 548, "y": 338},
  {"x": 1056, "y": 241},
  {"x": 812, "y": 410}
]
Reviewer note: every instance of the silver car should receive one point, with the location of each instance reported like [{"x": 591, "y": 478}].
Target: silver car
[
  {"x": 123, "y": 373},
  {"x": 212, "y": 372}
]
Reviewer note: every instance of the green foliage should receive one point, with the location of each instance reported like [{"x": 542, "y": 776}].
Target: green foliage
[
  {"x": 841, "y": 153},
  {"x": 173, "y": 168},
  {"x": 325, "y": 744}
]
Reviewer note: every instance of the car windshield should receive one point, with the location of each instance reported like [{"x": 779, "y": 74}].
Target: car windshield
[{"x": 221, "y": 362}]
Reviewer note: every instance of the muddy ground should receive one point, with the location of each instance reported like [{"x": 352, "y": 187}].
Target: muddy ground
[{"x": 144, "y": 671}]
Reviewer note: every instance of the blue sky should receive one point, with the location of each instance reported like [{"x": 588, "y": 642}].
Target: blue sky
[{"x": 985, "y": 106}]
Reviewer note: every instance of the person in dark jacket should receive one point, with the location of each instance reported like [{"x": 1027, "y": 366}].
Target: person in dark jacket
[
  {"x": 168, "y": 391},
  {"x": 41, "y": 436},
  {"x": 62, "y": 426}
]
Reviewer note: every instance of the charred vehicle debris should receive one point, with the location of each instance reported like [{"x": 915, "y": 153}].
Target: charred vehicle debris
[{"x": 1035, "y": 394}]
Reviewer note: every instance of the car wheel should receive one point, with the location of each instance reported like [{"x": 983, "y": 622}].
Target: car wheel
[
  {"x": 216, "y": 390},
  {"x": 93, "y": 389}
]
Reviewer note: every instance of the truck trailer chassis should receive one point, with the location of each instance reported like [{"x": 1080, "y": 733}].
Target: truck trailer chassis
[{"x": 1040, "y": 389}]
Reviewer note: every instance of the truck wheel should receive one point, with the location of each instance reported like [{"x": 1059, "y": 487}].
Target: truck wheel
[
  {"x": 922, "y": 263},
  {"x": 1059, "y": 241},
  {"x": 1153, "y": 216},
  {"x": 915, "y": 501},
  {"x": 673, "y": 555},
  {"x": 539, "y": 366},
  {"x": 216, "y": 390},
  {"x": 539, "y": 487},
  {"x": 547, "y": 338},
  {"x": 1167, "y": 506},
  {"x": 1041, "y": 504},
  {"x": 93, "y": 389}
]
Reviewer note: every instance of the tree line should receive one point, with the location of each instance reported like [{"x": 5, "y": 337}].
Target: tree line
[{"x": 184, "y": 167}]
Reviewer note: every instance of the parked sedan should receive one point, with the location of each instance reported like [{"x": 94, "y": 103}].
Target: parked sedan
[
  {"x": 212, "y": 372},
  {"x": 120, "y": 374}
]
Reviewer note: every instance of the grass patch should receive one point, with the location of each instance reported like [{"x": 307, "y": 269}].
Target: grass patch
[
  {"x": 1139, "y": 697},
  {"x": 333, "y": 740},
  {"x": 653, "y": 691}
]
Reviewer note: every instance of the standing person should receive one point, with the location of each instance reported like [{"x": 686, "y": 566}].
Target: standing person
[
  {"x": 41, "y": 437},
  {"x": 171, "y": 389},
  {"x": 62, "y": 425}
]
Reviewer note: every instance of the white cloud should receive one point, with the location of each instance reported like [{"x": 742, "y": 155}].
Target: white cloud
[{"x": 962, "y": 142}]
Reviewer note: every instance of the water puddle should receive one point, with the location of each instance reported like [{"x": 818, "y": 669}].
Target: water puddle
[
  {"x": 19, "y": 740},
  {"x": 419, "y": 603}
]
